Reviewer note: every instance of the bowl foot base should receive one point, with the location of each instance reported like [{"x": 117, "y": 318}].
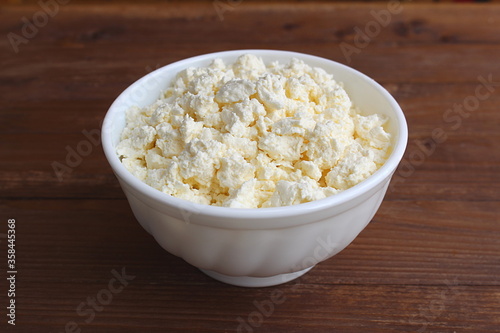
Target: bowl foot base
[{"x": 251, "y": 281}]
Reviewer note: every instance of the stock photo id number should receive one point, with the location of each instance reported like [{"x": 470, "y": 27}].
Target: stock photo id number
[{"x": 11, "y": 271}]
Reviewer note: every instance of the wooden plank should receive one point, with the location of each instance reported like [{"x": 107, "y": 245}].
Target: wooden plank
[
  {"x": 29, "y": 171},
  {"x": 425, "y": 107},
  {"x": 408, "y": 242},
  {"x": 306, "y": 308},
  {"x": 450, "y": 63},
  {"x": 409, "y": 23},
  {"x": 397, "y": 57},
  {"x": 421, "y": 263},
  {"x": 201, "y": 2}
]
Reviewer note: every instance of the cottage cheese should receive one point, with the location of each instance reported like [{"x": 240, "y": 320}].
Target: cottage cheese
[{"x": 248, "y": 135}]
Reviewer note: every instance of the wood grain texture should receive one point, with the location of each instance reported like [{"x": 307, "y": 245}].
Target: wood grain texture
[{"x": 428, "y": 262}]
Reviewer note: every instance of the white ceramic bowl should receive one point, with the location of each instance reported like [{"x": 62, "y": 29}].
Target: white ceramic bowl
[{"x": 266, "y": 246}]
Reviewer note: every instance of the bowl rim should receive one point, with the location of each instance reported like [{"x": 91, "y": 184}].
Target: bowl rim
[{"x": 384, "y": 172}]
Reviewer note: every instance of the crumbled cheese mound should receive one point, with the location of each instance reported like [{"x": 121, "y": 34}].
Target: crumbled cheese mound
[{"x": 248, "y": 135}]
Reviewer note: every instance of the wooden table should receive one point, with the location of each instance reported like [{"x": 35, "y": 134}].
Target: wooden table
[{"x": 428, "y": 262}]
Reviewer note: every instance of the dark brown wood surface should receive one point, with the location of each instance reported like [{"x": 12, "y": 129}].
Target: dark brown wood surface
[{"x": 428, "y": 262}]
